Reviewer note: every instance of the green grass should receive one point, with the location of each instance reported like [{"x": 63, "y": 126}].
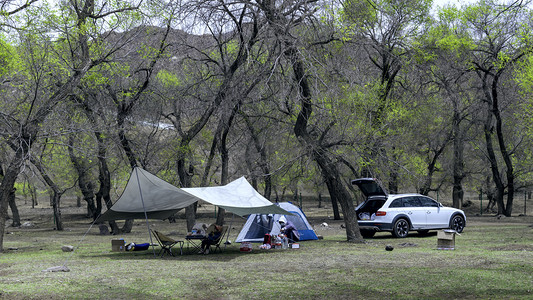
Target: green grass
[{"x": 491, "y": 261}]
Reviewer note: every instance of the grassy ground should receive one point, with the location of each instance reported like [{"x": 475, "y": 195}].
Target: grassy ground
[{"x": 493, "y": 259}]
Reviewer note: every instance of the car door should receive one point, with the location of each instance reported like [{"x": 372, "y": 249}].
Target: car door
[
  {"x": 416, "y": 213},
  {"x": 436, "y": 217}
]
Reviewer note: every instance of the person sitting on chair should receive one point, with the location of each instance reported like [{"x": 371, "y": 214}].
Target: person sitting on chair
[
  {"x": 213, "y": 234},
  {"x": 288, "y": 228}
]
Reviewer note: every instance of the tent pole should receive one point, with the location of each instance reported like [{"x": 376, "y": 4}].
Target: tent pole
[
  {"x": 229, "y": 229},
  {"x": 145, "y": 214}
]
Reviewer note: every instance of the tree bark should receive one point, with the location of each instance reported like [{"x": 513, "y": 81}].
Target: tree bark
[
  {"x": 458, "y": 161},
  {"x": 104, "y": 176},
  {"x": 185, "y": 180},
  {"x": 29, "y": 129},
  {"x": 224, "y": 153},
  {"x": 499, "y": 193},
  {"x": 263, "y": 157},
  {"x": 14, "y": 210},
  {"x": 432, "y": 167},
  {"x": 84, "y": 182},
  {"x": 334, "y": 201},
  {"x": 6, "y": 188},
  {"x": 493, "y": 110},
  {"x": 393, "y": 174},
  {"x": 56, "y": 194},
  {"x": 509, "y": 171},
  {"x": 329, "y": 170}
]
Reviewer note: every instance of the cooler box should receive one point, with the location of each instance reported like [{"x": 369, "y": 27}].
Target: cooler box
[
  {"x": 246, "y": 247},
  {"x": 446, "y": 239},
  {"x": 117, "y": 245}
]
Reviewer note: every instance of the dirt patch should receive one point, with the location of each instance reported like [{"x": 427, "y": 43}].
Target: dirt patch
[{"x": 513, "y": 247}]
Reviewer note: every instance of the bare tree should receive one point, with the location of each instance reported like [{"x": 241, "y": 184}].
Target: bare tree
[
  {"x": 25, "y": 128},
  {"x": 386, "y": 29},
  {"x": 282, "y": 19},
  {"x": 501, "y": 41}
]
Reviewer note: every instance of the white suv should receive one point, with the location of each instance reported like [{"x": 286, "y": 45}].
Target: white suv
[{"x": 402, "y": 212}]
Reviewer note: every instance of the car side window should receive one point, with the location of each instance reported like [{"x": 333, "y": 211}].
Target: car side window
[
  {"x": 411, "y": 202},
  {"x": 397, "y": 203},
  {"x": 428, "y": 202}
]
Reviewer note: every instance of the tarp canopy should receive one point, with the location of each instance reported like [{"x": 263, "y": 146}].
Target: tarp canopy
[{"x": 147, "y": 193}]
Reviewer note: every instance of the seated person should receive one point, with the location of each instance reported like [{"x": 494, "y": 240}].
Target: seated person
[
  {"x": 199, "y": 229},
  {"x": 214, "y": 232},
  {"x": 288, "y": 228}
]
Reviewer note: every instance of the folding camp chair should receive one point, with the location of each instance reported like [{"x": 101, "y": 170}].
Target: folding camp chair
[
  {"x": 166, "y": 243},
  {"x": 219, "y": 240}
]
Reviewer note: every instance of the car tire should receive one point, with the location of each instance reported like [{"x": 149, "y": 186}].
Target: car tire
[
  {"x": 400, "y": 229},
  {"x": 367, "y": 233},
  {"x": 457, "y": 223}
]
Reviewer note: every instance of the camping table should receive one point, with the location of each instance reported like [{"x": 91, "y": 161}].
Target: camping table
[{"x": 194, "y": 243}]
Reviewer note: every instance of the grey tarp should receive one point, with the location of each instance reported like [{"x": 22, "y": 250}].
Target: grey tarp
[{"x": 146, "y": 192}]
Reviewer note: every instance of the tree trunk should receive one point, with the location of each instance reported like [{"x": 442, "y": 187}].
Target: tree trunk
[
  {"x": 432, "y": 167},
  {"x": 508, "y": 207},
  {"x": 33, "y": 196},
  {"x": 104, "y": 178},
  {"x": 224, "y": 157},
  {"x": 277, "y": 20},
  {"x": 224, "y": 154},
  {"x": 56, "y": 194},
  {"x": 185, "y": 181},
  {"x": 56, "y": 201},
  {"x": 29, "y": 129},
  {"x": 263, "y": 158},
  {"x": 498, "y": 195},
  {"x": 336, "y": 190},
  {"x": 84, "y": 182},
  {"x": 8, "y": 183},
  {"x": 121, "y": 118},
  {"x": 209, "y": 162},
  {"x": 14, "y": 209},
  {"x": 393, "y": 174},
  {"x": 458, "y": 161},
  {"x": 329, "y": 170},
  {"x": 334, "y": 202}
]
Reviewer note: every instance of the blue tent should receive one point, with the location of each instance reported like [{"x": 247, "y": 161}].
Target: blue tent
[{"x": 257, "y": 225}]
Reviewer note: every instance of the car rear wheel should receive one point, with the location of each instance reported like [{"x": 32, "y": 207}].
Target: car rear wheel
[
  {"x": 400, "y": 228},
  {"x": 457, "y": 223}
]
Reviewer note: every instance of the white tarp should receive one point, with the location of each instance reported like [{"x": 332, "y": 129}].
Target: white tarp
[
  {"x": 146, "y": 195},
  {"x": 237, "y": 196}
]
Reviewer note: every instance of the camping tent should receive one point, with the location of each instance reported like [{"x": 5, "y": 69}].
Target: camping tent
[
  {"x": 147, "y": 196},
  {"x": 257, "y": 225}
]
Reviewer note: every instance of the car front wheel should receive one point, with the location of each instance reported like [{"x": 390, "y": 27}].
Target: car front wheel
[
  {"x": 400, "y": 228},
  {"x": 457, "y": 223}
]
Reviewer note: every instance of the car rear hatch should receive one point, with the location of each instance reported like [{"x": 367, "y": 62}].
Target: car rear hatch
[
  {"x": 370, "y": 187},
  {"x": 375, "y": 198}
]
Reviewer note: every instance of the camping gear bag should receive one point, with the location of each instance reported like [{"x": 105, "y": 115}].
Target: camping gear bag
[
  {"x": 267, "y": 239},
  {"x": 246, "y": 247}
]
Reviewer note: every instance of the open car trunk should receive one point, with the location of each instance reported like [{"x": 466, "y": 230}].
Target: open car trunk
[
  {"x": 368, "y": 209},
  {"x": 375, "y": 195}
]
